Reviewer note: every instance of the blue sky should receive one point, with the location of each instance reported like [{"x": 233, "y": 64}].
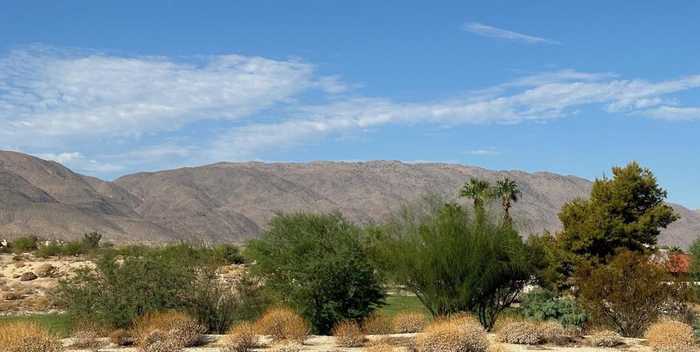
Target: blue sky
[{"x": 109, "y": 88}]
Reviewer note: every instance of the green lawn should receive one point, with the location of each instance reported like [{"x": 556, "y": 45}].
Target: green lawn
[
  {"x": 59, "y": 324},
  {"x": 397, "y": 304}
]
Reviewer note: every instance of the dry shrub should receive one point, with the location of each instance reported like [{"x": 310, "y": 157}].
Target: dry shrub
[
  {"x": 348, "y": 334},
  {"x": 86, "y": 339},
  {"x": 520, "y": 333},
  {"x": 453, "y": 335},
  {"x": 380, "y": 347},
  {"x": 27, "y": 337},
  {"x": 287, "y": 346},
  {"x": 377, "y": 324},
  {"x": 670, "y": 336},
  {"x": 158, "y": 341},
  {"x": 408, "y": 322},
  {"x": 121, "y": 337},
  {"x": 241, "y": 338},
  {"x": 497, "y": 347},
  {"x": 605, "y": 338},
  {"x": 553, "y": 332},
  {"x": 282, "y": 324},
  {"x": 174, "y": 327}
]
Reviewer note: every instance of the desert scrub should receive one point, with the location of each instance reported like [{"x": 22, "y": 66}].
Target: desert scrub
[
  {"x": 86, "y": 339},
  {"x": 121, "y": 337},
  {"x": 453, "y": 335},
  {"x": 348, "y": 334},
  {"x": 27, "y": 337},
  {"x": 604, "y": 338},
  {"x": 670, "y": 336},
  {"x": 520, "y": 333},
  {"x": 377, "y": 323},
  {"x": 172, "y": 326},
  {"x": 408, "y": 322},
  {"x": 241, "y": 338},
  {"x": 287, "y": 346},
  {"x": 553, "y": 332},
  {"x": 380, "y": 347},
  {"x": 282, "y": 324}
]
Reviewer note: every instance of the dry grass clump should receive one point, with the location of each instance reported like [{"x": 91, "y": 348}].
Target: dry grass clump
[
  {"x": 27, "y": 337},
  {"x": 520, "y": 333},
  {"x": 380, "y": 347},
  {"x": 241, "y": 338},
  {"x": 497, "y": 347},
  {"x": 86, "y": 339},
  {"x": 553, "y": 332},
  {"x": 605, "y": 338},
  {"x": 670, "y": 336},
  {"x": 159, "y": 341},
  {"x": 288, "y": 346},
  {"x": 348, "y": 334},
  {"x": 163, "y": 329},
  {"x": 408, "y": 322},
  {"x": 377, "y": 324},
  {"x": 121, "y": 337},
  {"x": 453, "y": 335},
  {"x": 282, "y": 324}
]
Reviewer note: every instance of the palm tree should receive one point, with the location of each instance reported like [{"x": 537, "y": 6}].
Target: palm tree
[
  {"x": 509, "y": 192},
  {"x": 478, "y": 190}
]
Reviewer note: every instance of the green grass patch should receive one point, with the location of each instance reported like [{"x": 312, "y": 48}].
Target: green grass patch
[
  {"x": 59, "y": 324},
  {"x": 398, "y": 304}
]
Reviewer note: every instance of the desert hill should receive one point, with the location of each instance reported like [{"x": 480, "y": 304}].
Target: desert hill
[{"x": 234, "y": 201}]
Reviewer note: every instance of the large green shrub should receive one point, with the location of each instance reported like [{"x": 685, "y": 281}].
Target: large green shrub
[
  {"x": 544, "y": 305},
  {"x": 627, "y": 294},
  {"x": 452, "y": 261},
  {"x": 317, "y": 264},
  {"x": 24, "y": 244}
]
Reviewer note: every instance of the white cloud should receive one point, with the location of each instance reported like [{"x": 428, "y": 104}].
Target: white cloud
[
  {"x": 493, "y": 32},
  {"x": 78, "y": 162},
  {"x": 674, "y": 113},
  {"x": 61, "y": 158},
  {"x": 484, "y": 152},
  {"x": 53, "y": 93}
]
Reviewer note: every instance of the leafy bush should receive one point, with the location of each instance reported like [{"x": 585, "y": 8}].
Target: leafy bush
[
  {"x": 241, "y": 338},
  {"x": 408, "y": 322},
  {"x": 348, "y": 334},
  {"x": 230, "y": 254},
  {"x": 451, "y": 261},
  {"x": 605, "y": 338},
  {"x": 282, "y": 324},
  {"x": 91, "y": 240},
  {"x": 670, "y": 336},
  {"x": 24, "y": 244},
  {"x": 453, "y": 335},
  {"x": 628, "y": 294},
  {"x": 217, "y": 305},
  {"x": 27, "y": 337},
  {"x": 544, "y": 305},
  {"x": 317, "y": 263},
  {"x": 377, "y": 323}
]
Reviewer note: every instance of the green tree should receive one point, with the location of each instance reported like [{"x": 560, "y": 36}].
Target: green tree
[
  {"x": 627, "y": 211},
  {"x": 508, "y": 192},
  {"x": 317, "y": 265},
  {"x": 478, "y": 190},
  {"x": 451, "y": 261}
]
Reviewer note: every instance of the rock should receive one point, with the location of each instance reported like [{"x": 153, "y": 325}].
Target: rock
[
  {"x": 46, "y": 270},
  {"x": 28, "y": 276}
]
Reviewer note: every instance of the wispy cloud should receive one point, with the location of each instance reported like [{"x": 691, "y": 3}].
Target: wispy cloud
[
  {"x": 484, "y": 152},
  {"x": 494, "y": 32},
  {"x": 167, "y": 112}
]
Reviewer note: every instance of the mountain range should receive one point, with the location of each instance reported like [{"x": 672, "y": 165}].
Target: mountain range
[{"x": 233, "y": 202}]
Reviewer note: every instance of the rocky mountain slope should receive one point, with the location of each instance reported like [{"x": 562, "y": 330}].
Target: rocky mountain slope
[{"x": 234, "y": 201}]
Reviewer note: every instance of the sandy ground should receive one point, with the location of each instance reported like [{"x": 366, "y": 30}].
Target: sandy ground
[{"x": 327, "y": 343}]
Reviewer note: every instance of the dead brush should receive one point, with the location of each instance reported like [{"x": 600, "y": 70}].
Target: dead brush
[
  {"x": 121, "y": 337},
  {"x": 520, "y": 333},
  {"x": 377, "y": 324},
  {"x": 178, "y": 328},
  {"x": 241, "y": 338},
  {"x": 282, "y": 324},
  {"x": 27, "y": 337},
  {"x": 380, "y": 347},
  {"x": 453, "y": 335},
  {"x": 348, "y": 334},
  {"x": 408, "y": 322},
  {"x": 670, "y": 336},
  {"x": 604, "y": 338}
]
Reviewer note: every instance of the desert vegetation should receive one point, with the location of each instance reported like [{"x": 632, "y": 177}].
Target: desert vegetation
[{"x": 462, "y": 264}]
